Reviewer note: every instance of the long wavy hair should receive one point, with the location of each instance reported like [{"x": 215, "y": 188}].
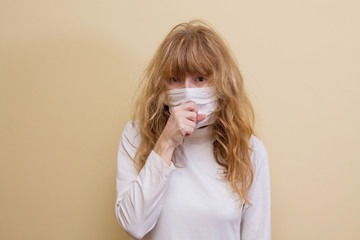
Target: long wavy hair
[{"x": 195, "y": 48}]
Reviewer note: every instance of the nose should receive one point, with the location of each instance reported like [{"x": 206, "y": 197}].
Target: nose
[{"x": 188, "y": 82}]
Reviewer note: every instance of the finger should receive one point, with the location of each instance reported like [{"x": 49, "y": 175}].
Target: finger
[
  {"x": 189, "y": 106},
  {"x": 187, "y": 127},
  {"x": 190, "y": 115},
  {"x": 189, "y": 130},
  {"x": 181, "y": 115},
  {"x": 184, "y": 130},
  {"x": 190, "y": 124},
  {"x": 200, "y": 117}
]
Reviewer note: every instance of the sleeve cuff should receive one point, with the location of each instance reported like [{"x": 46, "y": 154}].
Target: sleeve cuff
[{"x": 159, "y": 163}]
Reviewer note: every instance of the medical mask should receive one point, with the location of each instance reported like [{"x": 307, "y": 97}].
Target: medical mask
[{"x": 203, "y": 98}]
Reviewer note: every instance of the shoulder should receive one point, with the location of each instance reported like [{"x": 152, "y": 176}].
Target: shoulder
[
  {"x": 259, "y": 155},
  {"x": 131, "y": 133},
  {"x": 131, "y": 128}
]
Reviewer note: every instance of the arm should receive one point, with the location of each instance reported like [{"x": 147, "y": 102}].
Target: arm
[
  {"x": 256, "y": 219},
  {"x": 140, "y": 197}
]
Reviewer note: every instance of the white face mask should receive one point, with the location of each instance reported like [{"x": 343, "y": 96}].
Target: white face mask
[{"x": 203, "y": 98}]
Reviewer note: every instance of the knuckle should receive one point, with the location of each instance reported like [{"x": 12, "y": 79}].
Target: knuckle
[
  {"x": 176, "y": 113},
  {"x": 174, "y": 110},
  {"x": 182, "y": 130},
  {"x": 190, "y": 131},
  {"x": 193, "y": 115}
]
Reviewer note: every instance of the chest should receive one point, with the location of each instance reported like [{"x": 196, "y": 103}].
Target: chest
[{"x": 196, "y": 192}]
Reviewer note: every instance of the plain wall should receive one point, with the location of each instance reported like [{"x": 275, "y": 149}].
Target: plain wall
[{"x": 69, "y": 69}]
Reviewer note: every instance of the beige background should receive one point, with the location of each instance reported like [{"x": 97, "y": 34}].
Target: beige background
[{"x": 68, "y": 70}]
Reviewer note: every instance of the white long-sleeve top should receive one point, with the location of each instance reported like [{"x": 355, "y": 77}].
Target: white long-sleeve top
[{"x": 189, "y": 201}]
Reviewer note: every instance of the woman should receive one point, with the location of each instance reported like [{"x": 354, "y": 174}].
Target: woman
[{"x": 190, "y": 165}]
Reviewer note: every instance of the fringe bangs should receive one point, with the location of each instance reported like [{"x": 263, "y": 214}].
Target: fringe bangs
[{"x": 190, "y": 55}]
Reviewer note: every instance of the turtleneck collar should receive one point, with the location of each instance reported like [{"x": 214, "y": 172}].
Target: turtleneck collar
[{"x": 200, "y": 135}]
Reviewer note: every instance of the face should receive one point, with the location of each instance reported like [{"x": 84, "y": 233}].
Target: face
[{"x": 190, "y": 81}]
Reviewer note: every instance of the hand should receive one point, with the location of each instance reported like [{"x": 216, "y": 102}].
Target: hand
[{"x": 181, "y": 123}]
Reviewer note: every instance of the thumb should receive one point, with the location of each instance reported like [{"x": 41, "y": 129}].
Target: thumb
[{"x": 200, "y": 117}]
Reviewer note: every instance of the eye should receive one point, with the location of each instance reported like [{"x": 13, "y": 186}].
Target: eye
[
  {"x": 201, "y": 79},
  {"x": 174, "y": 80}
]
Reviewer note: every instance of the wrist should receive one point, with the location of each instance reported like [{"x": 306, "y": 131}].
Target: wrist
[{"x": 164, "y": 149}]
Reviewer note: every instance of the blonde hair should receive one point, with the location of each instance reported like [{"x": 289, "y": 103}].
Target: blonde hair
[{"x": 195, "y": 48}]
